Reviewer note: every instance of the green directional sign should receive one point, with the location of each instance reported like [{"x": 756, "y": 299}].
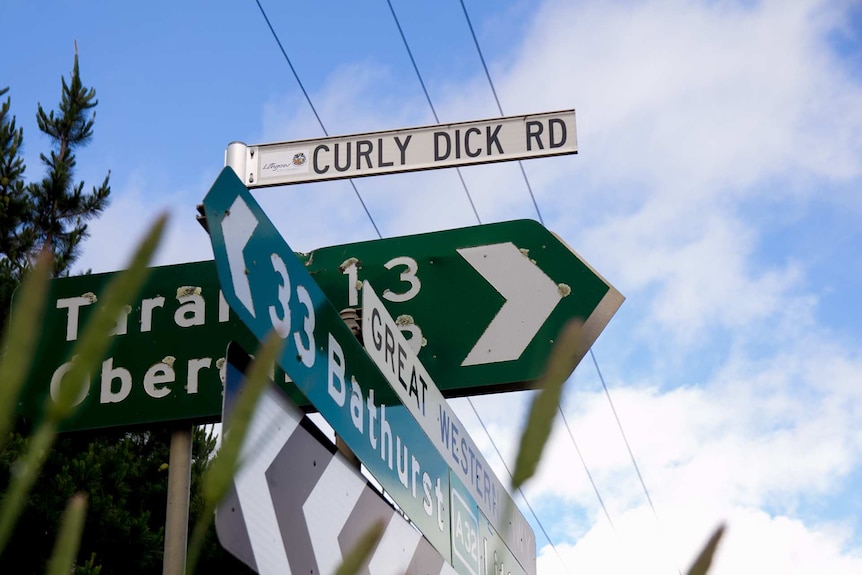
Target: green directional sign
[
  {"x": 166, "y": 357},
  {"x": 270, "y": 290},
  {"x": 447, "y": 303},
  {"x": 482, "y": 305}
]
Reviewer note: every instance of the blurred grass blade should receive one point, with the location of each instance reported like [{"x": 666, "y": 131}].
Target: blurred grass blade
[
  {"x": 359, "y": 554},
  {"x": 569, "y": 348},
  {"x": 23, "y": 476},
  {"x": 94, "y": 340},
  {"x": 704, "y": 560},
  {"x": 87, "y": 353},
  {"x": 62, "y": 560},
  {"x": 219, "y": 475},
  {"x": 22, "y": 335}
]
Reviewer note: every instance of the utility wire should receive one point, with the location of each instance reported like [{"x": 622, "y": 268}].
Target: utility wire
[
  {"x": 589, "y": 475},
  {"x": 479, "y": 220},
  {"x": 542, "y": 221},
  {"x": 592, "y": 354},
  {"x": 499, "y": 107},
  {"x": 623, "y": 433},
  {"x": 629, "y": 449},
  {"x": 506, "y": 467},
  {"x": 428, "y": 99},
  {"x": 313, "y": 109}
]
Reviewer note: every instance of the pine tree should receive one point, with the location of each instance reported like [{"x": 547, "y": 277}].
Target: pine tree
[
  {"x": 60, "y": 207},
  {"x": 14, "y": 206},
  {"x": 124, "y": 474}
]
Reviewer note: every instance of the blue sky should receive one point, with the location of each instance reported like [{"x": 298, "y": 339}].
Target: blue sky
[{"x": 716, "y": 186}]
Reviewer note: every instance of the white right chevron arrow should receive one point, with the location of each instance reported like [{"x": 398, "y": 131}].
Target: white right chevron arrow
[{"x": 530, "y": 295}]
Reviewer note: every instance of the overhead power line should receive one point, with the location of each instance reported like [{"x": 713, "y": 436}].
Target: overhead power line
[
  {"x": 313, "y": 109},
  {"x": 479, "y": 220},
  {"x": 499, "y": 107},
  {"x": 430, "y": 103}
]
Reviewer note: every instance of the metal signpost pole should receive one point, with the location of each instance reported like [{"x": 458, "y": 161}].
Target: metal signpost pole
[
  {"x": 179, "y": 490},
  {"x": 180, "y": 466}
]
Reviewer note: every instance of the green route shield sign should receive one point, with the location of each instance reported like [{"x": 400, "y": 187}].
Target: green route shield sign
[{"x": 270, "y": 290}]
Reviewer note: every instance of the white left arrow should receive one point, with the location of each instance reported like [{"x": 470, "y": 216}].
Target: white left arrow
[{"x": 530, "y": 295}]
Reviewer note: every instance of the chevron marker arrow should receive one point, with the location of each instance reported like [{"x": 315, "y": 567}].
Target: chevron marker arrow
[
  {"x": 270, "y": 429},
  {"x": 530, "y": 295}
]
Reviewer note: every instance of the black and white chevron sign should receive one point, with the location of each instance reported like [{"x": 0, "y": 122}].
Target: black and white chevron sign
[{"x": 298, "y": 506}]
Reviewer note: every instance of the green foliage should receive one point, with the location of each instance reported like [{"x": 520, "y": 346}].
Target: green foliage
[
  {"x": 53, "y": 212},
  {"x": 14, "y": 206},
  {"x": 125, "y": 478},
  {"x": 361, "y": 551},
  {"x": 19, "y": 350},
  {"x": 59, "y": 206},
  {"x": 89, "y": 567}
]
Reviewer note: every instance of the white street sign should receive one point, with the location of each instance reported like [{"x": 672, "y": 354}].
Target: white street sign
[
  {"x": 405, "y": 150},
  {"x": 395, "y": 357}
]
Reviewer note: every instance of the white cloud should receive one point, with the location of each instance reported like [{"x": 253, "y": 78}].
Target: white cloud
[
  {"x": 687, "y": 95},
  {"x": 740, "y": 449},
  {"x": 754, "y": 542},
  {"x": 115, "y": 235}
]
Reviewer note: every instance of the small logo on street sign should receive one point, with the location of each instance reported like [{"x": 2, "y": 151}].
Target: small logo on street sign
[{"x": 280, "y": 163}]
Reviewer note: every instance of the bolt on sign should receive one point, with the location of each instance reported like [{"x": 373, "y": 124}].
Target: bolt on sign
[{"x": 481, "y": 305}]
